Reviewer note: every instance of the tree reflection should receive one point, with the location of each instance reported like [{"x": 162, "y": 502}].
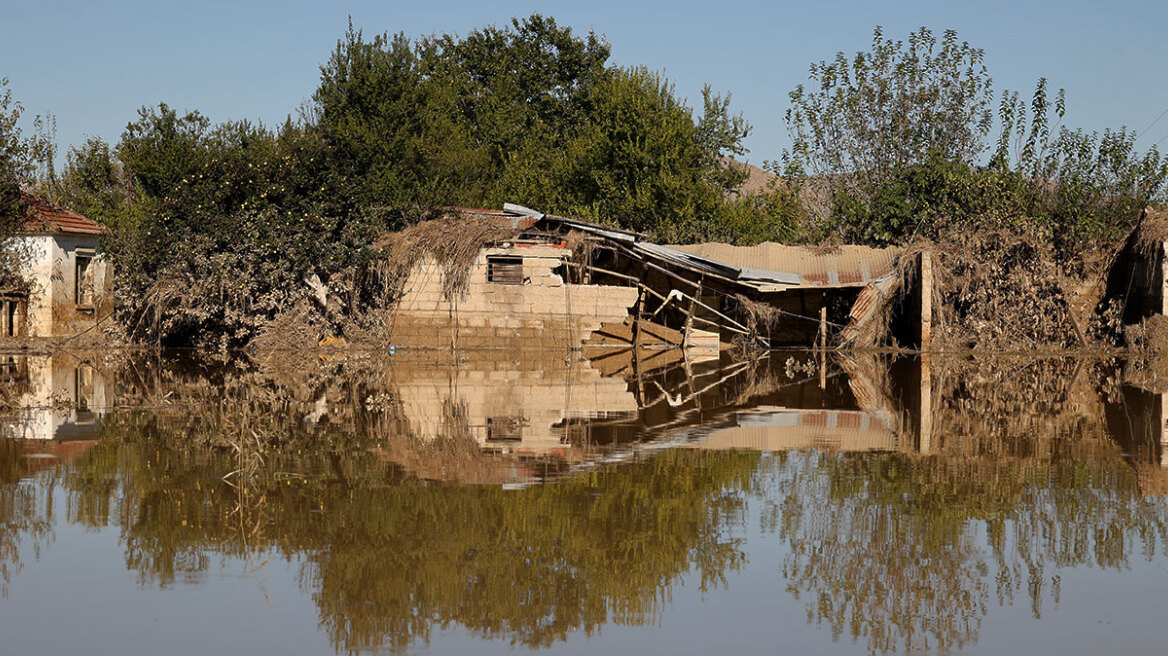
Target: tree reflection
[
  {"x": 387, "y": 557},
  {"x": 906, "y": 553},
  {"x": 25, "y": 511}
]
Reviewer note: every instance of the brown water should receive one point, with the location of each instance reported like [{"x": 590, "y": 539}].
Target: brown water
[{"x": 496, "y": 501}]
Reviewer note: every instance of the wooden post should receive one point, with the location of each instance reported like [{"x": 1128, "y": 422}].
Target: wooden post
[
  {"x": 1164, "y": 279},
  {"x": 926, "y": 301},
  {"x": 689, "y": 315},
  {"x": 1164, "y": 430},
  {"x": 823, "y": 347},
  {"x": 925, "y": 443},
  {"x": 822, "y": 328}
]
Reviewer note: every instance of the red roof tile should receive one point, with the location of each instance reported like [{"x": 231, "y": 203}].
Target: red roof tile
[{"x": 45, "y": 217}]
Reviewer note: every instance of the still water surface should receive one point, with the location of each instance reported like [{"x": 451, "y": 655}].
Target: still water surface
[{"x": 479, "y": 503}]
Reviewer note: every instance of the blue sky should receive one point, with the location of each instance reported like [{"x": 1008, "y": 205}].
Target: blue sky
[{"x": 93, "y": 64}]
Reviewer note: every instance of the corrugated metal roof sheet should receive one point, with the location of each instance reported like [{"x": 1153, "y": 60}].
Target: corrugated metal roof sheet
[
  {"x": 675, "y": 255},
  {"x": 843, "y": 266},
  {"x": 45, "y": 217},
  {"x": 603, "y": 231},
  {"x": 866, "y": 307}
]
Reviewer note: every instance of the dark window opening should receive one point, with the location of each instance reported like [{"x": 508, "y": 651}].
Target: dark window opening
[
  {"x": 505, "y": 270},
  {"x": 83, "y": 281},
  {"x": 505, "y": 429},
  {"x": 12, "y": 314}
]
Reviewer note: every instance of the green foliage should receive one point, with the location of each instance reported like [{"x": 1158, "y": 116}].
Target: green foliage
[
  {"x": 893, "y": 138},
  {"x": 774, "y": 214},
  {"x": 19, "y": 159},
  {"x": 928, "y": 200},
  {"x": 221, "y": 224},
  {"x": 530, "y": 113},
  {"x": 15, "y": 165},
  {"x": 642, "y": 161},
  {"x": 92, "y": 183},
  {"x": 892, "y": 106}
]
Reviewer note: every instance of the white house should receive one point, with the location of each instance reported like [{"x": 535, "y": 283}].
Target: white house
[{"x": 69, "y": 283}]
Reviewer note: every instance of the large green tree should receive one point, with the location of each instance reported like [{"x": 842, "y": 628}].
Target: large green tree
[
  {"x": 216, "y": 226},
  {"x": 531, "y": 113}
]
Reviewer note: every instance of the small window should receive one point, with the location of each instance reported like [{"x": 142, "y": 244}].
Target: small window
[
  {"x": 505, "y": 270},
  {"x": 83, "y": 292},
  {"x": 505, "y": 429}
]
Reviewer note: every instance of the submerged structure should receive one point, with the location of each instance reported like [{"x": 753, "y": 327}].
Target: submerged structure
[{"x": 555, "y": 281}]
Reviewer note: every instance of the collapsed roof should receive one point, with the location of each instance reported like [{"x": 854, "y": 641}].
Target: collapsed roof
[{"x": 765, "y": 267}]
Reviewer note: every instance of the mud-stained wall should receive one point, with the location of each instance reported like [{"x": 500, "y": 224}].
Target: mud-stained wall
[
  {"x": 515, "y": 406},
  {"x": 537, "y": 311},
  {"x": 53, "y": 307}
]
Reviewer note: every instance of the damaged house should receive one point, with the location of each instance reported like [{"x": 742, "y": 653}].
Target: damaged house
[
  {"x": 516, "y": 287},
  {"x": 65, "y": 284},
  {"x": 557, "y": 282}
]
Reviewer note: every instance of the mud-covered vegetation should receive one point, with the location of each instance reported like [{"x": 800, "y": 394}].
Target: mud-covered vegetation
[{"x": 219, "y": 230}]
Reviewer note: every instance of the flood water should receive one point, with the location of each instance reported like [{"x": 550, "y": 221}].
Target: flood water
[{"x": 499, "y": 501}]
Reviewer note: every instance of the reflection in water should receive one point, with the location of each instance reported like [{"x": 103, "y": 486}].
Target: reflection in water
[
  {"x": 906, "y": 499},
  {"x": 385, "y": 561},
  {"x": 1028, "y": 469},
  {"x": 907, "y": 553}
]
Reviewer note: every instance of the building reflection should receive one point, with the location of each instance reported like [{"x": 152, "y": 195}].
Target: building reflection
[
  {"x": 53, "y": 405},
  {"x": 549, "y": 416}
]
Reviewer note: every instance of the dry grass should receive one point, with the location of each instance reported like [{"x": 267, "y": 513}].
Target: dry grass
[{"x": 454, "y": 246}]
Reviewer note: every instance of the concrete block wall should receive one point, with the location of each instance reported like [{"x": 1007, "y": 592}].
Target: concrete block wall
[{"x": 542, "y": 313}]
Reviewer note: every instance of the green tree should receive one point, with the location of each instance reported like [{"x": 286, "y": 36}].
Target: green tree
[
  {"x": 1083, "y": 185},
  {"x": 93, "y": 182},
  {"x": 893, "y": 106},
  {"x": 531, "y": 113},
  {"x": 889, "y": 144},
  {"x": 19, "y": 157}
]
